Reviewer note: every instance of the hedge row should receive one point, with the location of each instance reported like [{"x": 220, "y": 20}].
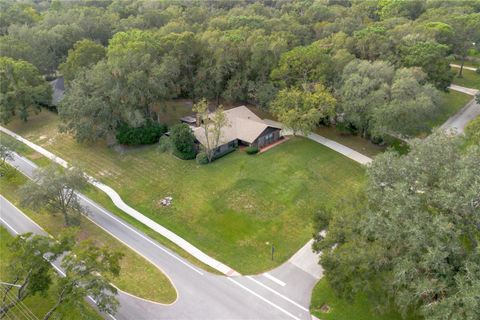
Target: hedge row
[{"x": 149, "y": 133}]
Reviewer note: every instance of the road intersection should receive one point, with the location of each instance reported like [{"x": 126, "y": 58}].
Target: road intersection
[{"x": 201, "y": 295}]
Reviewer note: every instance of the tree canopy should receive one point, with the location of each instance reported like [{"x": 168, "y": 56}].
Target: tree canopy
[
  {"x": 22, "y": 89},
  {"x": 414, "y": 239}
]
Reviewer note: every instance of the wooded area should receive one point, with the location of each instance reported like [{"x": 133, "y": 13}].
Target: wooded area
[{"x": 381, "y": 60}]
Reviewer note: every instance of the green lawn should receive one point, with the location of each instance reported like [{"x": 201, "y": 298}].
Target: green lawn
[
  {"x": 38, "y": 305},
  {"x": 451, "y": 102},
  {"x": 469, "y": 79},
  {"x": 230, "y": 208},
  {"x": 467, "y": 63},
  {"x": 340, "y": 309},
  {"x": 137, "y": 277}
]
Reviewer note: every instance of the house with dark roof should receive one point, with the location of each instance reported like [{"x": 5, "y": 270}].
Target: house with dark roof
[{"x": 243, "y": 128}]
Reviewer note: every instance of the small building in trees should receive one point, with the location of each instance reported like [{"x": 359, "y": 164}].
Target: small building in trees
[{"x": 244, "y": 128}]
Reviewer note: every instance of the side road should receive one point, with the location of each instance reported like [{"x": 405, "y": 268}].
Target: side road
[
  {"x": 470, "y": 111},
  {"x": 201, "y": 295},
  {"x": 117, "y": 200}
]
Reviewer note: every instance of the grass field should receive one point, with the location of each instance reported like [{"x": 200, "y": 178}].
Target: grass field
[
  {"x": 451, "y": 102},
  {"x": 138, "y": 276},
  {"x": 469, "y": 79},
  {"x": 37, "y": 304},
  {"x": 340, "y": 309},
  {"x": 230, "y": 208}
]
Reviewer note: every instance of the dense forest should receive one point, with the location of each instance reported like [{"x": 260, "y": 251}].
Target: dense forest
[{"x": 383, "y": 61}]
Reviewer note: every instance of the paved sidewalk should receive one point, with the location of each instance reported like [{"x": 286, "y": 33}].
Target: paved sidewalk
[
  {"x": 464, "y": 67},
  {"x": 469, "y": 91},
  {"x": 119, "y": 203},
  {"x": 458, "y": 121},
  {"x": 340, "y": 148}
]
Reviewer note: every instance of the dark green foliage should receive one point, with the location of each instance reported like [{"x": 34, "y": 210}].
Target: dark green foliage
[
  {"x": 183, "y": 141},
  {"x": 22, "y": 89},
  {"x": 202, "y": 158},
  {"x": 149, "y": 133},
  {"x": 251, "y": 150},
  {"x": 414, "y": 240}
]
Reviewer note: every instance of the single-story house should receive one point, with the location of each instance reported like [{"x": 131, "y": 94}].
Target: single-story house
[{"x": 243, "y": 128}]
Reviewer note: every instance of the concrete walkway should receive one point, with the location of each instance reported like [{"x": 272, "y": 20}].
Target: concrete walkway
[
  {"x": 458, "y": 121},
  {"x": 119, "y": 203},
  {"x": 465, "y": 90},
  {"x": 464, "y": 67},
  {"x": 340, "y": 148},
  {"x": 470, "y": 111}
]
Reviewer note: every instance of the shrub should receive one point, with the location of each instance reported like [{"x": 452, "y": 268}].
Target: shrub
[
  {"x": 184, "y": 141},
  {"x": 184, "y": 156},
  {"x": 251, "y": 150},
  {"x": 149, "y": 133},
  {"x": 202, "y": 158},
  {"x": 165, "y": 145}
]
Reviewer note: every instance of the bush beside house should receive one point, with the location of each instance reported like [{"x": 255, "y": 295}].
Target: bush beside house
[
  {"x": 251, "y": 150},
  {"x": 184, "y": 141},
  {"x": 202, "y": 158}
]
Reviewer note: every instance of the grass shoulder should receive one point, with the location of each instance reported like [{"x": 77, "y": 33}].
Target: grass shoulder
[
  {"x": 326, "y": 305},
  {"x": 138, "y": 276}
]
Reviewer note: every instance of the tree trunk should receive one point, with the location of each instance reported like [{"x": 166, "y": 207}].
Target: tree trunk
[
  {"x": 52, "y": 310},
  {"x": 460, "y": 73},
  {"x": 55, "y": 306}
]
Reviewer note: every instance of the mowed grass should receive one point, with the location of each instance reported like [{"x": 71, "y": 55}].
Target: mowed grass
[
  {"x": 469, "y": 79},
  {"x": 355, "y": 142},
  {"x": 138, "y": 276},
  {"x": 230, "y": 208},
  {"x": 450, "y": 103},
  {"x": 38, "y": 304},
  {"x": 339, "y": 309}
]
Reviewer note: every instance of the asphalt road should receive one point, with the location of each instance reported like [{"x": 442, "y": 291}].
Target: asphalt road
[{"x": 283, "y": 294}]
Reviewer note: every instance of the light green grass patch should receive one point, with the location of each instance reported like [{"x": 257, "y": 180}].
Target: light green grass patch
[{"x": 469, "y": 79}]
